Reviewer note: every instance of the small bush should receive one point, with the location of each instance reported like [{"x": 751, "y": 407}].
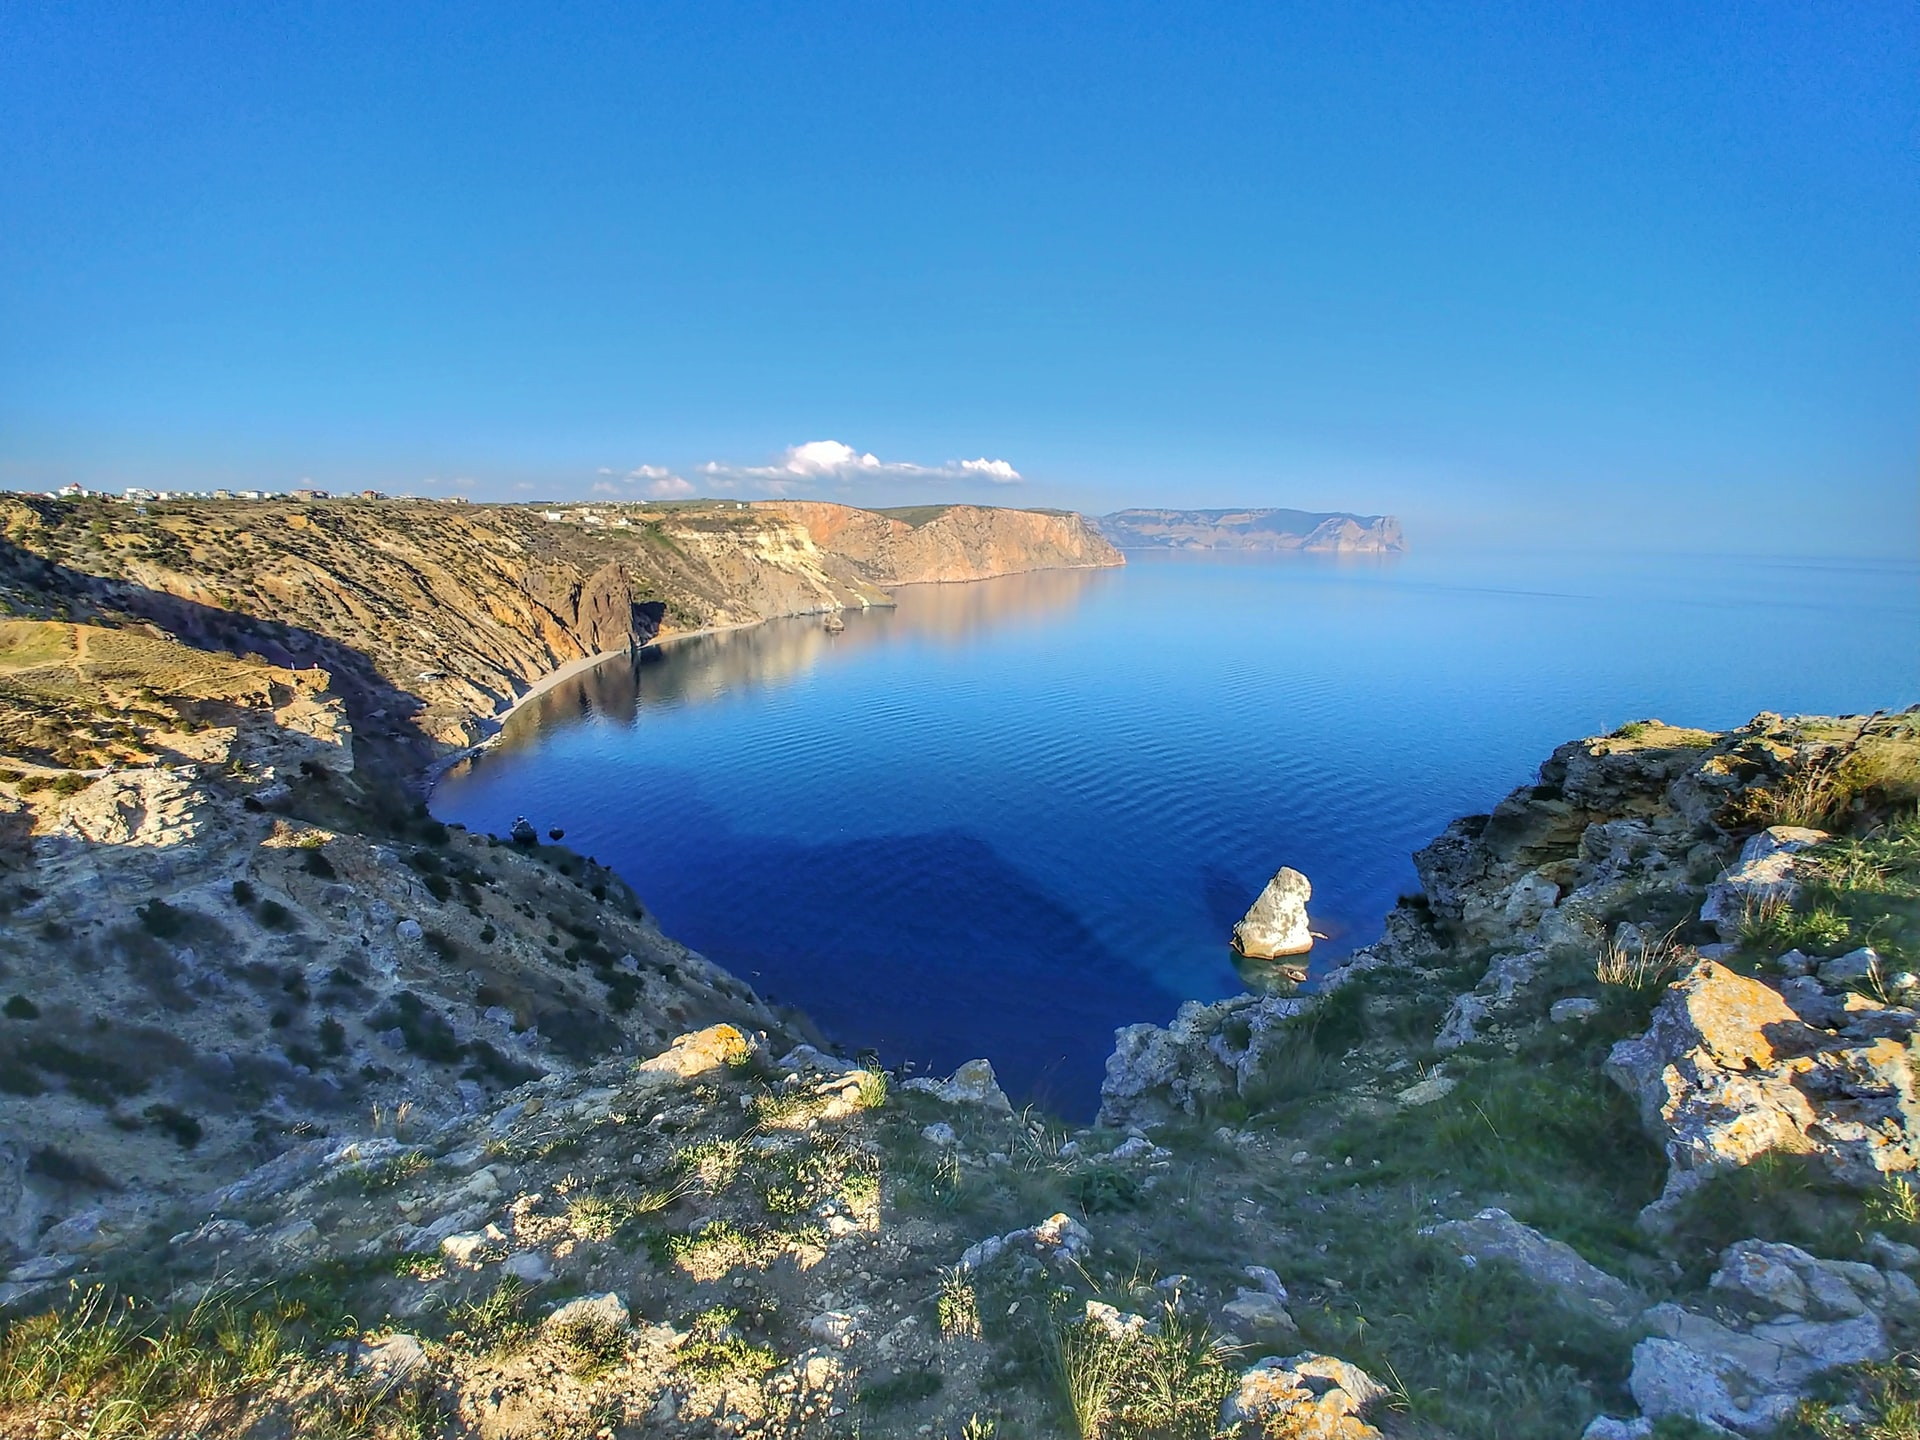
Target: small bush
[
  {"x": 494, "y": 1325},
  {"x": 957, "y": 1306},
  {"x": 183, "y": 1129},
  {"x": 1104, "y": 1189},
  {"x": 275, "y": 916},
  {"x": 161, "y": 920},
  {"x": 317, "y": 864},
  {"x": 243, "y": 893},
  {"x": 425, "y": 1031},
  {"x": 19, "y": 1007},
  {"x": 333, "y": 1037},
  {"x": 65, "y": 1168},
  {"x": 714, "y": 1351}
]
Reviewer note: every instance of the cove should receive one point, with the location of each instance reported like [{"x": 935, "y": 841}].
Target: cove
[{"x": 1003, "y": 818}]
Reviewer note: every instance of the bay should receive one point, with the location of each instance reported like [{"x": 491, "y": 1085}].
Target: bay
[{"x": 1003, "y": 818}]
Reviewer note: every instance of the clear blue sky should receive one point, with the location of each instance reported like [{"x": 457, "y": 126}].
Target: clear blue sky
[{"x": 1492, "y": 266}]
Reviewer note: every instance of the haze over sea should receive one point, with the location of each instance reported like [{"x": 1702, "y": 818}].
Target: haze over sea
[{"x": 1008, "y": 816}]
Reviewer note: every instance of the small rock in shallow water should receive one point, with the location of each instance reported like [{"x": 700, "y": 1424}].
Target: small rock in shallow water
[{"x": 1276, "y": 924}]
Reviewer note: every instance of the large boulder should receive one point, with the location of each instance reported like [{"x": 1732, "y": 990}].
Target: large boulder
[
  {"x": 1276, "y": 925},
  {"x": 973, "y": 1083},
  {"x": 1552, "y": 1264},
  {"x": 1728, "y": 1071},
  {"x": 1746, "y": 1377},
  {"x": 1209, "y": 1052},
  {"x": 698, "y": 1053}
]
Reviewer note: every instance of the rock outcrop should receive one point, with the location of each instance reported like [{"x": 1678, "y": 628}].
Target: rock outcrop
[
  {"x": 1312, "y": 1396},
  {"x": 1729, "y": 1071},
  {"x": 1209, "y": 1052},
  {"x": 1494, "y": 1235},
  {"x": 1785, "y": 1318},
  {"x": 1275, "y": 926}
]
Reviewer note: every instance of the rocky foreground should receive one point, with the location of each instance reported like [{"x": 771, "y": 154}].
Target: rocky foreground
[{"x": 320, "y": 1118}]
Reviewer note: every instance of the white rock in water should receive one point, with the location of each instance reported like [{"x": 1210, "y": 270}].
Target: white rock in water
[{"x": 1277, "y": 923}]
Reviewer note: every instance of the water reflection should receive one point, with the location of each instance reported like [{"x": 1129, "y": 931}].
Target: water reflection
[
  {"x": 968, "y": 612},
  {"x": 698, "y": 669}
]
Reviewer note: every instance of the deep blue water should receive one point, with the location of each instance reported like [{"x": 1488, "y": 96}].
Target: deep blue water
[{"x": 1006, "y": 817}]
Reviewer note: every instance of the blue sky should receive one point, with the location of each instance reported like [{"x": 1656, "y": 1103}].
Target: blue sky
[{"x": 1618, "y": 269}]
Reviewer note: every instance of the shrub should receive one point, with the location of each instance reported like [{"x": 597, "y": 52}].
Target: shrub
[
  {"x": 275, "y": 916},
  {"x": 19, "y": 1007},
  {"x": 183, "y": 1129},
  {"x": 317, "y": 864},
  {"x": 1104, "y": 1189},
  {"x": 425, "y": 1031},
  {"x": 65, "y": 1168},
  {"x": 161, "y": 920},
  {"x": 1087, "y": 1367},
  {"x": 714, "y": 1350},
  {"x": 333, "y": 1037},
  {"x": 495, "y": 1324},
  {"x": 243, "y": 893},
  {"x": 957, "y": 1306}
]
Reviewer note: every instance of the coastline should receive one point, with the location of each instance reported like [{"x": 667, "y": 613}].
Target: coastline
[{"x": 497, "y": 723}]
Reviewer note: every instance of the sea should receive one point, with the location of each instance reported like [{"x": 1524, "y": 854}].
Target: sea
[{"x": 1004, "y": 818}]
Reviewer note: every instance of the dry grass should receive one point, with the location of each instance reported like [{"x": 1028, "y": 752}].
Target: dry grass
[{"x": 1639, "y": 967}]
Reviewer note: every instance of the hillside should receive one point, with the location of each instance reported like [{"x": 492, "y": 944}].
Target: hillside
[
  {"x": 432, "y": 619},
  {"x": 1272, "y": 530}
]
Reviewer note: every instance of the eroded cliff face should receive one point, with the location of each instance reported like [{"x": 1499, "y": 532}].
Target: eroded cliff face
[{"x": 955, "y": 542}]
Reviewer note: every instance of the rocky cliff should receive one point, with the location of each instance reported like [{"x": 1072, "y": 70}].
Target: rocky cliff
[
  {"x": 1272, "y": 530},
  {"x": 949, "y": 542},
  {"x": 432, "y": 619}
]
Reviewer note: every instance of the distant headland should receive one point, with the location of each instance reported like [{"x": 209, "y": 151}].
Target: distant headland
[{"x": 1253, "y": 530}]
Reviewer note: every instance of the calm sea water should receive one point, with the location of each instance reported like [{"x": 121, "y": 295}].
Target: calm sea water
[{"x": 1006, "y": 817}]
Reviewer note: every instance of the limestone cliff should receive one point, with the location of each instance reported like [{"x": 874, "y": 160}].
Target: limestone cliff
[
  {"x": 432, "y": 619},
  {"x": 948, "y": 542}
]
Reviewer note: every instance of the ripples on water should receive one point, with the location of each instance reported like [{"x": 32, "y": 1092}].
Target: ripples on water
[{"x": 1006, "y": 817}]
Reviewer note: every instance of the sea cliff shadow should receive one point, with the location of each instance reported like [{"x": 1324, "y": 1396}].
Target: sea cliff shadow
[
  {"x": 389, "y": 748},
  {"x": 932, "y": 948}
]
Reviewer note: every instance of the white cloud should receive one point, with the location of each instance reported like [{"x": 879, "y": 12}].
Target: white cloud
[
  {"x": 828, "y": 457},
  {"x": 802, "y": 466},
  {"x": 669, "y": 487},
  {"x": 998, "y": 471}
]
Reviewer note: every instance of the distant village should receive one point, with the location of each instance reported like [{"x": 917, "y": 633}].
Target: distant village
[
  {"x": 600, "y": 514},
  {"x": 137, "y": 495}
]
